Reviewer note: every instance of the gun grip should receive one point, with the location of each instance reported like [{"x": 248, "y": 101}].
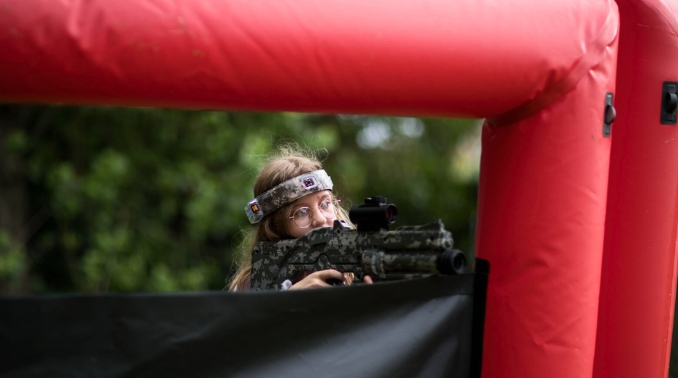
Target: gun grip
[{"x": 335, "y": 282}]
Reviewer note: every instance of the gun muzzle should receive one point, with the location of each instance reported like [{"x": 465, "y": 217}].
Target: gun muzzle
[{"x": 451, "y": 261}]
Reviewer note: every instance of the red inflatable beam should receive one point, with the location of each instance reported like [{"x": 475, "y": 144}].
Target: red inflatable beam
[
  {"x": 429, "y": 58},
  {"x": 639, "y": 267},
  {"x": 538, "y": 69}
]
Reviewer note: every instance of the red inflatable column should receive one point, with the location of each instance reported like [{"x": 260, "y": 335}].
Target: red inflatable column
[
  {"x": 639, "y": 264},
  {"x": 542, "y": 201}
]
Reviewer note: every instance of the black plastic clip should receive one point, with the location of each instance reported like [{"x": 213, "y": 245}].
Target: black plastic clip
[
  {"x": 669, "y": 103},
  {"x": 609, "y": 116}
]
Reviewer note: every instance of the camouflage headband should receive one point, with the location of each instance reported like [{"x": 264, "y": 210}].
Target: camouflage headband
[{"x": 287, "y": 192}]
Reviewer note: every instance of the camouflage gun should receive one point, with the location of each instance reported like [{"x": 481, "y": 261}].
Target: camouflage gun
[{"x": 408, "y": 252}]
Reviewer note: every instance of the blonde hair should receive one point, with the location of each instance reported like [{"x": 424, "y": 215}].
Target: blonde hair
[{"x": 288, "y": 162}]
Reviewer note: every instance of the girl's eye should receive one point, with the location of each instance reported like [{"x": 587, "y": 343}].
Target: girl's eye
[
  {"x": 325, "y": 204},
  {"x": 301, "y": 212}
]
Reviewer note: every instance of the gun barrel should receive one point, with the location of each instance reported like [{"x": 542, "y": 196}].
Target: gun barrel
[{"x": 380, "y": 264}]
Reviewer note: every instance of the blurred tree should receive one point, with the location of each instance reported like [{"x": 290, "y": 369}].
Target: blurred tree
[{"x": 99, "y": 199}]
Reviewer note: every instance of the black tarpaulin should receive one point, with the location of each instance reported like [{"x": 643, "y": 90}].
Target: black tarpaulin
[{"x": 418, "y": 328}]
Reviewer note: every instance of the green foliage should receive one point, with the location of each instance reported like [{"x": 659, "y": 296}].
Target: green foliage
[
  {"x": 12, "y": 259},
  {"x": 126, "y": 199}
]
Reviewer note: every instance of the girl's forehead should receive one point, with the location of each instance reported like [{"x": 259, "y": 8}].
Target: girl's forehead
[{"x": 312, "y": 198}]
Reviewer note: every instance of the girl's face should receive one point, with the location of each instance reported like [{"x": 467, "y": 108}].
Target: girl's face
[{"x": 312, "y": 211}]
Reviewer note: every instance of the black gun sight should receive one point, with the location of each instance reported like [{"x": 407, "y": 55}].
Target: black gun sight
[{"x": 374, "y": 215}]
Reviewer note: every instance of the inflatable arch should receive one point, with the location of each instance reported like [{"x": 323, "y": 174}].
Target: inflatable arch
[{"x": 571, "y": 293}]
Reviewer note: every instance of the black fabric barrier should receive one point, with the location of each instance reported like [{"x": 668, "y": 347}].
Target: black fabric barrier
[{"x": 418, "y": 328}]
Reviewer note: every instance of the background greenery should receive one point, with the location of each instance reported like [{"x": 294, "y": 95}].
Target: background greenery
[{"x": 103, "y": 199}]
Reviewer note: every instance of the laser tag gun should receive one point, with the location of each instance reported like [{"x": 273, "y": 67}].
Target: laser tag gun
[{"x": 405, "y": 253}]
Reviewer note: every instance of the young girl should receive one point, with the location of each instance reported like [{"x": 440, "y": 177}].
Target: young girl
[{"x": 292, "y": 197}]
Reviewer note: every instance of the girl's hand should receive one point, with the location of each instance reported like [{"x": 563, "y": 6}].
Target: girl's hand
[{"x": 318, "y": 279}]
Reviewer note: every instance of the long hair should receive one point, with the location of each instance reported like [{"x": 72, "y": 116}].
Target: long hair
[{"x": 287, "y": 163}]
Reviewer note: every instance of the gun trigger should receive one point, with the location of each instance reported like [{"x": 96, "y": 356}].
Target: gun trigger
[{"x": 335, "y": 282}]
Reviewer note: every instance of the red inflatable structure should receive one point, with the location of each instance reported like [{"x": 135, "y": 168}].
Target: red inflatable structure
[
  {"x": 583, "y": 272},
  {"x": 639, "y": 263}
]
